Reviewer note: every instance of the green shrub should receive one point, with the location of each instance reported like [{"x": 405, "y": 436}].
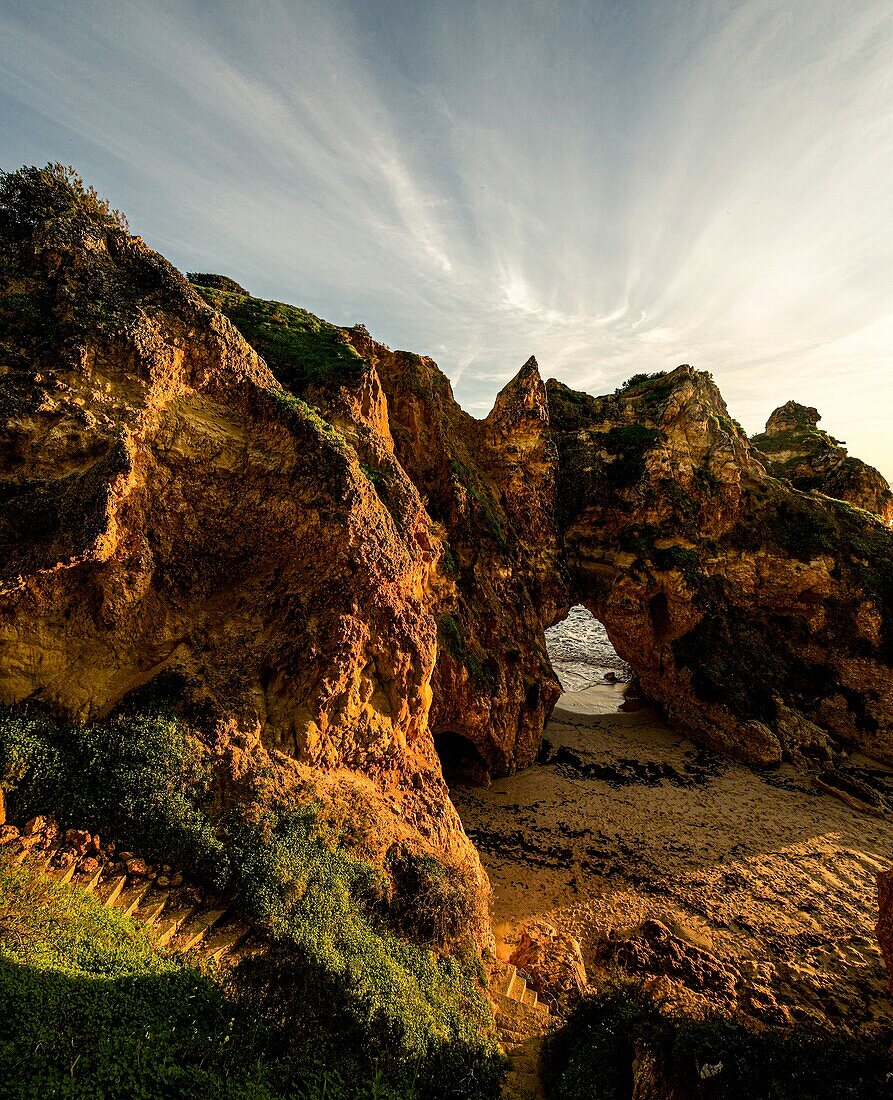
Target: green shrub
[
  {"x": 144, "y": 776},
  {"x": 215, "y": 282},
  {"x": 592, "y": 1056},
  {"x": 432, "y": 903},
  {"x": 638, "y": 380},
  {"x": 33, "y": 195},
  {"x": 90, "y": 1008}
]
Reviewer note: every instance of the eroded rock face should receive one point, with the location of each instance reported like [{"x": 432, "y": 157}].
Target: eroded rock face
[
  {"x": 795, "y": 448},
  {"x": 491, "y": 484},
  {"x": 885, "y": 919},
  {"x": 758, "y": 617},
  {"x": 169, "y": 510},
  {"x": 339, "y": 562},
  {"x": 489, "y": 488}
]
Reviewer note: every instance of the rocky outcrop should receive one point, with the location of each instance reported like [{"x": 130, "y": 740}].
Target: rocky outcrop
[
  {"x": 552, "y": 963},
  {"x": 795, "y": 448},
  {"x": 170, "y": 513},
  {"x": 491, "y": 485},
  {"x": 489, "y": 488},
  {"x": 760, "y": 618},
  {"x": 654, "y": 951},
  {"x": 304, "y": 530}
]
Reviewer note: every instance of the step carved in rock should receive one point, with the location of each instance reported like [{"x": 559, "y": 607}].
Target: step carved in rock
[
  {"x": 170, "y": 925},
  {"x": 224, "y": 940},
  {"x": 111, "y": 893},
  {"x": 196, "y": 930},
  {"x": 92, "y": 882},
  {"x": 130, "y": 899},
  {"x": 149, "y": 913}
]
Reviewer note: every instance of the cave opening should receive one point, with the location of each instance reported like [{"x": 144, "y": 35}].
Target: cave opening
[
  {"x": 582, "y": 654},
  {"x": 460, "y": 760}
]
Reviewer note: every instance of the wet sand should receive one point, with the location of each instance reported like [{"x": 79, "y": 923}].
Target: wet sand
[{"x": 625, "y": 820}]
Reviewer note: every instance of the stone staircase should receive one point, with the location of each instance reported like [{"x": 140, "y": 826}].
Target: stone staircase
[
  {"x": 178, "y": 915},
  {"x": 523, "y": 1022}
]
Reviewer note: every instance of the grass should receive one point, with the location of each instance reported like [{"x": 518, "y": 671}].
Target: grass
[
  {"x": 592, "y": 1056},
  {"x": 309, "y": 414},
  {"x": 299, "y": 348},
  {"x": 389, "y": 997},
  {"x": 89, "y": 1008}
]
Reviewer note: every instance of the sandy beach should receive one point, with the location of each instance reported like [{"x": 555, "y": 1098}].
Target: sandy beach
[{"x": 623, "y": 820}]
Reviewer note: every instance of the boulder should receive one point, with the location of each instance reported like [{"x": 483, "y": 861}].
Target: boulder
[
  {"x": 551, "y": 961},
  {"x": 655, "y": 951},
  {"x": 79, "y": 840}
]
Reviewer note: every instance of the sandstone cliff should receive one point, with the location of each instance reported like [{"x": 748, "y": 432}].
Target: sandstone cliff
[
  {"x": 759, "y": 617},
  {"x": 795, "y": 448},
  {"x": 489, "y": 489},
  {"x": 339, "y": 563},
  {"x": 169, "y": 510}
]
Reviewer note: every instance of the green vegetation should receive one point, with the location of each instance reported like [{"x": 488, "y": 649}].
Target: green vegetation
[
  {"x": 484, "y": 505},
  {"x": 628, "y": 443},
  {"x": 309, "y": 414},
  {"x": 388, "y": 992},
  {"x": 448, "y": 562},
  {"x": 88, "y": 1007},
  {"x": 650, "y": 391},
  {"x": 678, "y": 557},
  {"x": 300, "y": 349},
  {"x": 592, "y": 1056},
  {"x": 776, "y": 442},
  {"x": 638, "y": 381},
  {"x": 31, "y": 196},
  {"x": 216, "y": 282},
  {"x": 451, "y": 636},
  {"x": 432, "y": 903},
  {"x": 144, "y": 775},
  {"x": 377, "y": 477},
  {"x": 736, "y": 662}
]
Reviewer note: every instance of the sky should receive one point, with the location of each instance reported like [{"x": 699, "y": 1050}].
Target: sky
[{"x": 613, "y": 186}]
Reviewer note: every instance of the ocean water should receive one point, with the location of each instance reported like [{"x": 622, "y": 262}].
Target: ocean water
[{"x": 581, "y": 653}]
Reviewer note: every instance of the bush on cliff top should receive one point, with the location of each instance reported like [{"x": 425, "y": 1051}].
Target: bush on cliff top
[
  {"x": 34, "y": 195},
  {"x": 146, "y": 780}
]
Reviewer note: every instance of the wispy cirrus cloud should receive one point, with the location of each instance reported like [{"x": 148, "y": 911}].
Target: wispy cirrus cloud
[{"x": 610, "y": 187}]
